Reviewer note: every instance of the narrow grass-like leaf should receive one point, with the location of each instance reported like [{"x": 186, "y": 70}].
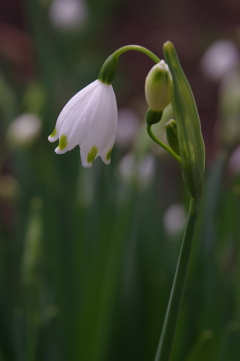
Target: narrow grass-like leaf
[{"x": 190, "y": 139}]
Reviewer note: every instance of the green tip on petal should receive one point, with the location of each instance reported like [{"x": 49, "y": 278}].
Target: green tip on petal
[
  {"x": 92, "y": 154},
  {"x": 108, "y": 156},
  {"x": 62, "y": 142},
  {"x": 53, "y": 133}
]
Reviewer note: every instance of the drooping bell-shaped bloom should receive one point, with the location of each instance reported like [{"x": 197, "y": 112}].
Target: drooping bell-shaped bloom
[{"x": 89, "y": 120}]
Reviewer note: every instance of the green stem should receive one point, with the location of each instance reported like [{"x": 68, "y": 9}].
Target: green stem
[
  {"x": 143, "y": 50},
  {"x": 163, "y": 145},
  {"x": 175, "y": 300},
  {"x": 109, "y": 67}
]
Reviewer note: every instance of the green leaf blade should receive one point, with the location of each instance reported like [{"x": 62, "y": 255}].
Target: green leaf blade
[{"x": 191, "y": 145}]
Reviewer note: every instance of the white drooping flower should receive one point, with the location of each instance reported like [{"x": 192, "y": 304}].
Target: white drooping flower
[{"x": 89, "y": 120}]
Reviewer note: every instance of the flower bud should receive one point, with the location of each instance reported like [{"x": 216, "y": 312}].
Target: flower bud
[
  {"x": 157, "y": 87},
  {"x": 171, "y": 132}
]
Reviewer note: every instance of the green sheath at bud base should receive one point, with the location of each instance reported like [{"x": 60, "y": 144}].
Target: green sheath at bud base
[
  {"x": 190, "y": 141},
  {"x": 171, "y": 132},
  {"x": 153, "y": 117},
  {"x": 108, "y": 70},
  {"x": 157, "y": 87}
]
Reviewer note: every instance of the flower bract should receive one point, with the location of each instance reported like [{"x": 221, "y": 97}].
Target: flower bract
[{"x": 89, "y": 120}]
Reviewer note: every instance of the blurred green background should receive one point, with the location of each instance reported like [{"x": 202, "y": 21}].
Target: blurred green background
[{"x": 87, "y": 256}]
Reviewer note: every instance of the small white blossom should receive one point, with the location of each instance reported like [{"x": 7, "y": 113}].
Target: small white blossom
[
  {"x": 220, "y": 59},
  {"x": 141, "y": 171},
  {"x": 89, "y": 120},
  {"x": 68, "y": 14},
  {"x": 128, "y": 122},
  {"x": 174, "y": 219},
  {"x": 127, "y": 167},
  {"x": 146, "y": 170},
  {"x": 24, "y": 129}
]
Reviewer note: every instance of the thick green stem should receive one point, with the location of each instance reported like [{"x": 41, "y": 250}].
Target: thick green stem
[
  {"x": 163, "y": 145},
  {"x": 143, "y": 50},
  {"x": 175, "y": 300}
]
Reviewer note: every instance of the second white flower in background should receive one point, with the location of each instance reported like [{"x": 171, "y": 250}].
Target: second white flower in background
[{"x": 89, "y": 120}]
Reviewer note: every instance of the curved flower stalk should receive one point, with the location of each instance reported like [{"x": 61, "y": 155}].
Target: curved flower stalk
[{"x": 89, "y": 120}]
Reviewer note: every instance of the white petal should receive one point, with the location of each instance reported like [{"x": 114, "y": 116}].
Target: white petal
[
  {"x": 53, "y": 138},
  {"x": 80, "y": 125},
  {"x": 71, "y": 111},
  {"x": 84, "y": 152},
  {"x": 103, "y": 119},
  {"x": 75, "y": 102},
  {"x": 103, "y": 123},
  {"x": 72, "y": 128},
  {"x": 60, "y": 151},
  {"x": 109, "y": 134}
]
